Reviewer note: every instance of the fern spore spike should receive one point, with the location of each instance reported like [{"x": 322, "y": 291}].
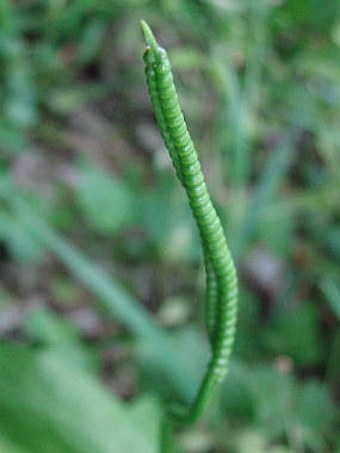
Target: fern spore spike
[{"x": 221, "y": 301}]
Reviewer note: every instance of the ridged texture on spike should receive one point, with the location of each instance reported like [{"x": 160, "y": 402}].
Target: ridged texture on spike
[{"x": 221, "y": 300}]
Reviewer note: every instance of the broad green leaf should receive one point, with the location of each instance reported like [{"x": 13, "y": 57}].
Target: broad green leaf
[{"x": 49, "y": 405}]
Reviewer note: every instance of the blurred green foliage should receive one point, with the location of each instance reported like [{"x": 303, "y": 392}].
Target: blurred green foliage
[{"x": 102, "y": 288}]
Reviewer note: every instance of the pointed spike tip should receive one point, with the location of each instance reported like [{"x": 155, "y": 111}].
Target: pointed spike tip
[{"x": 150, "y": 40}]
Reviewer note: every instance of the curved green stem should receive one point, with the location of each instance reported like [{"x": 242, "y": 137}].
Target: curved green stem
[{"x": 221, "y": 309}]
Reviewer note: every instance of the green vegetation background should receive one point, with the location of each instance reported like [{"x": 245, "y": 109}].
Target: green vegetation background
[{"x": 101, "y": 277}]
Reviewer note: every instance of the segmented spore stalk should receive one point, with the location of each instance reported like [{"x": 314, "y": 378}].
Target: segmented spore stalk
[{"x": 221, "y": 301}]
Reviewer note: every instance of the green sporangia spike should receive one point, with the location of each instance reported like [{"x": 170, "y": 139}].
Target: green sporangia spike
[{"x": 221, "y": 300}]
